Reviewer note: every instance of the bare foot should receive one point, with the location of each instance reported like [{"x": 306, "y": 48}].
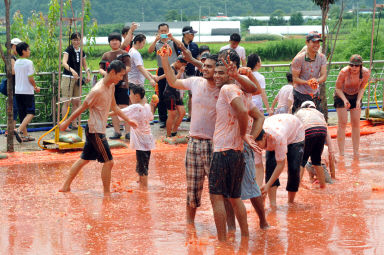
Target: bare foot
[
  {"x": 264, "y": 225},
  {"x": 65, "y": 189}
]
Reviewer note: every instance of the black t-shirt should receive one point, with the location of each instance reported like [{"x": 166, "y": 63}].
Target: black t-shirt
[
  {"x": 168, "y": 91},
  {"x": 73, "y": 60}
]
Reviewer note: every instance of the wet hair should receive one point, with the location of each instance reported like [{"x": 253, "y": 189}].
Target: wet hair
[
  {"x": 203, "y": 48},
  {"x": 289, "y": 76},
  {"x": 235, "y": 37},
  {"x": 75, "y": 35},
  {"x": 125, "y": 30},
  {"x": 260, "y": 136},
  {"x": 233, "y": 56},
  {"x": 21, "y": 47},
  {"x": 116, "y": 65},
  {"x": 136, "y": 89},
  {"x": 253, "y": 60},
  {"x": 113, "y": 36},
  {"x": 162, "y": 24},
  {"x": 139, "y": 38},
  {"x": 213, "y": 57}
]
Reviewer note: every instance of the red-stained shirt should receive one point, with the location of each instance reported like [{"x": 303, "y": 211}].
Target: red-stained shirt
[{"x": 351, "y": 83}]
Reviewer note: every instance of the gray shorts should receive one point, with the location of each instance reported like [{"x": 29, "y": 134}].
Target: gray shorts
[{"x": 249, "y": 187}]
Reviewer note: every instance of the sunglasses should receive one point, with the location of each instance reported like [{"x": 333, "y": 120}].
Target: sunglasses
[{"x": 353, "y": 65}]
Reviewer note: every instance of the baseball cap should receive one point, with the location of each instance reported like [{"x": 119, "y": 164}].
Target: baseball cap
[
  {"x": 188, "y": 30},
  {"x": 308, "y": 104},
  {"x": 205, "y": 55},
  {"x": 15, "y": 41},
  {"x": 313, "y": 36},
  {"x": 181, "y": 59},
  {"x": 356, "y": 60}
]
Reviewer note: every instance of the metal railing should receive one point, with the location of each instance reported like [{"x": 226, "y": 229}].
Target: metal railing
[{"x": 46, "y": 109}]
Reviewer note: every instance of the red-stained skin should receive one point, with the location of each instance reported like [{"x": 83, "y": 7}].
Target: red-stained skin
[{"x": 345, "y": 218}]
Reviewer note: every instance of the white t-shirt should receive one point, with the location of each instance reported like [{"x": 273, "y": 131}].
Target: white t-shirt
[
  {"x": 240, "y": 50},
  {"x": 135, "y": 76},
  {"x": 141, "y": 137},
  {"x": 285, "y": 94},
  {"x": 256, "y": 99},
  {"x": 203, "y": 107},
  {"x": 23, "y": 70}
]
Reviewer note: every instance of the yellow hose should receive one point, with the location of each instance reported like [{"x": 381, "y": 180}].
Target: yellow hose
[{"x": 46, "y": 133}]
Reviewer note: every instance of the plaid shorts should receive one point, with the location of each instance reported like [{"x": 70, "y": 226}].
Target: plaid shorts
[{"x": 197, "y": 164}]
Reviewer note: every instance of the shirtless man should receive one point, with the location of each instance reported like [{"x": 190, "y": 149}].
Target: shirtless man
[{"x": 99, "y": 102}]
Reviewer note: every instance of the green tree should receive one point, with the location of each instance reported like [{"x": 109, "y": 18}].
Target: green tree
[
  {"x": 324, "y": 5},
  {"x": 277, "y": 18},
  {"x": 296, "y": 19},
  {"x": 173, "y": 15}
]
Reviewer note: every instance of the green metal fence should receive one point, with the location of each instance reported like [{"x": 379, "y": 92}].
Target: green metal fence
[{"x": 46, "y": 109}]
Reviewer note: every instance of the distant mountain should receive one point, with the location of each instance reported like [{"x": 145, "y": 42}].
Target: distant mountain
[{"x": 121, "y": 11}]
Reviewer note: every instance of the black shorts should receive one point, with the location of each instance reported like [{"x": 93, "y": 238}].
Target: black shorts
[
  {"x": 338, "y": 102},
  {"x": 226, "y": 173},
  {"x": 142, "y": 162},
  {"x": 171, "y": 101},
  {"x": 121, "y": 96},
  {"x": 299, "y": 98},
  {"x": 294, "y": 157},
  {"x": 25, "y": 105},
  {"x": 314, "y": 145},
  {"x": 96, "y": 147}
]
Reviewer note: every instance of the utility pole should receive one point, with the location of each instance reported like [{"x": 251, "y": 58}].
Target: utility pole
[
  {"x": 199, "y": 20},
  {"x": 226, "y": 13},
  {"x": 181, "y": 15}
]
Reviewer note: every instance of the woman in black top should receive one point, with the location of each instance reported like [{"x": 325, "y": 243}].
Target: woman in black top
[{"x": 70, "y": 86}]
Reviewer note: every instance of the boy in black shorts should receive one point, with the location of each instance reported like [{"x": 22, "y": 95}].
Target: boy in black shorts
[
  {"x": 99, "y": 101},
  {"x": 173, "y": 99},
  {"x": 121, "y": 91},
  {"x": 25, "y": 88}
]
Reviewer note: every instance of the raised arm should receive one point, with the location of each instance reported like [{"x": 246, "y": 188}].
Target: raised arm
[
  {"x": 129, "y": 37},
  {"x": 187, "y": 55},
  {"x": 170, "y": 75},
  {"x": 152, "y": 47}
]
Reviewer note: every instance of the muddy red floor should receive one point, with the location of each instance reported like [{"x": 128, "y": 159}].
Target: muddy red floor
[{"x": 346, "y": 218}]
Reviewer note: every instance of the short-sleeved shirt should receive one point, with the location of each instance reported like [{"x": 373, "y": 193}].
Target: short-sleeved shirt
[
  {"x": 351, "y": 83},
  {"x": 141, "y": 137},
  {"x": 311, "y": 118},
  {"x": 73, "y": 60},
  {"x": 256, "y": 99},
  {"x": 308, "y": 69},
  {"x": 227, "y": 132},
  {"x": 172, "y": 59},
  {"x": 281, "y": 130},
  {"x": 119, "y": 54},
  {"x": 285, "y": 94},
  {"x": 135, "y": 76},
  {"x": 23, "y": 70},
  {"x": 194, "y": 48},
  {"x": 203, "y": 107},
  {"x": 99, "y": 101},
  {"x": 239, "y": 49}
]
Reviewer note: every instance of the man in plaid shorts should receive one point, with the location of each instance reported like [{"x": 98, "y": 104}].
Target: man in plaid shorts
[{"x": 202, "y": 127}]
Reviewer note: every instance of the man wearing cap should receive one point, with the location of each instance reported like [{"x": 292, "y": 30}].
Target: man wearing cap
[
  {"x": 307, "y": 68},
  {"x": 316, "y": 134},
  {"x": 160, "y": 40},
  {"x": 234, "y": 41},
  {"x": 283, "y": 138},
  {"x": 188, "y": 35}
]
